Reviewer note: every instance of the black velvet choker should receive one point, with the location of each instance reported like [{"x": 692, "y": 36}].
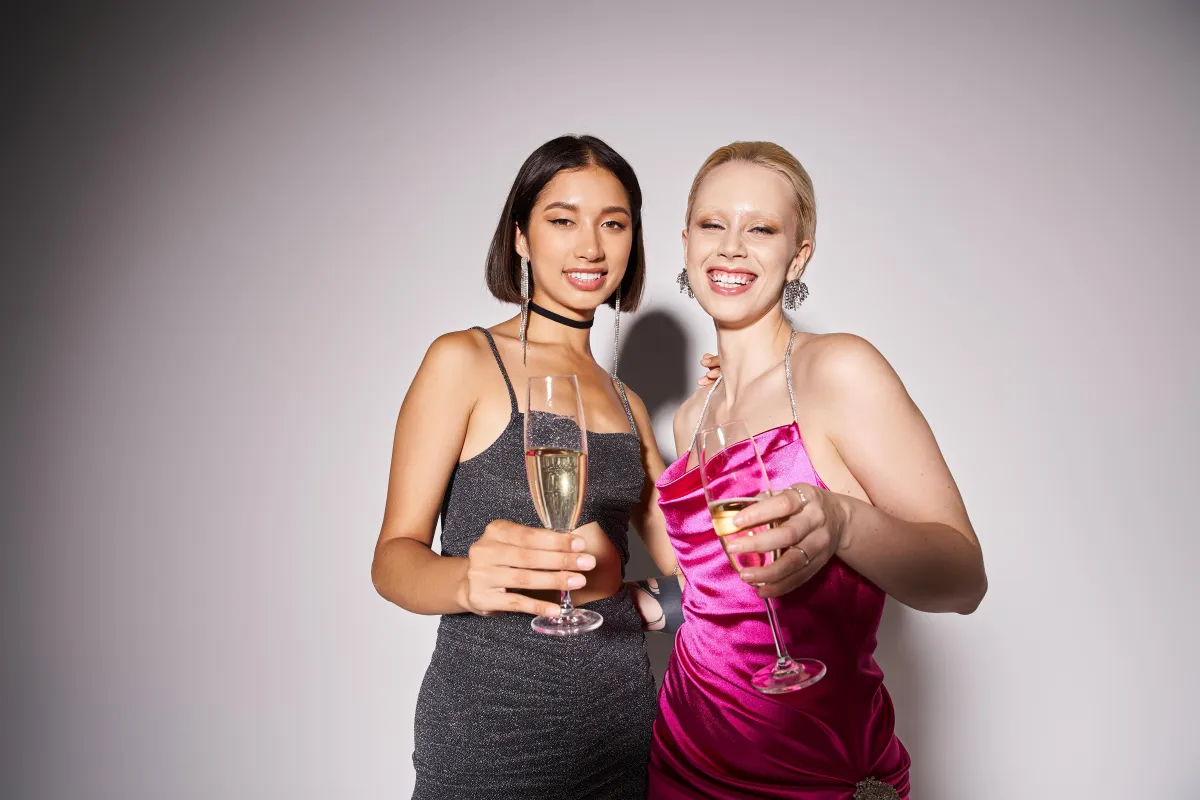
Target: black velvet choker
[{"x": 559, "y": 318}]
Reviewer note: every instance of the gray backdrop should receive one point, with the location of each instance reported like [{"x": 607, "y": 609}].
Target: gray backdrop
[{"x": 231, "y": 234}]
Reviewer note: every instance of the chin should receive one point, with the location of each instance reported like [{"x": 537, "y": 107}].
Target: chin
[
  {"x": 587, "y": 301},
  {"x": 731, "y": 312}
]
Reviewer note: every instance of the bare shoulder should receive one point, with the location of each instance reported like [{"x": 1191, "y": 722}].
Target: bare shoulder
[
  {"x": 688, "y": 415},
  {"x": 456, "y": 350},
  {"x": 454, "y": 359},
  {"x": 636, "y": 405},
  {"x": 645, "y": 428},
  {"x": 838, "y": 364}
]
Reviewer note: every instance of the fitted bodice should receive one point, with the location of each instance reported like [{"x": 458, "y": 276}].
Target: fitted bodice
[{"x": 716, "y": 737}]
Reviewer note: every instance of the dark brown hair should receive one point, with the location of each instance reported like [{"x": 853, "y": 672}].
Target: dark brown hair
[{"x": 555, "y": 156}]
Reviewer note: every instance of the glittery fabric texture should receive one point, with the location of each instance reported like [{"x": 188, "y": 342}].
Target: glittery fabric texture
[{"x": 505, "y": 713}]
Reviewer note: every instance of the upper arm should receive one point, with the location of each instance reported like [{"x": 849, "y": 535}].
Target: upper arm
[
  {"x": 651, "y": 457},
  {"x": 646, "y": 515},
  {"x": 430, "y": 431},
  {"x": 883, "y": 437}
]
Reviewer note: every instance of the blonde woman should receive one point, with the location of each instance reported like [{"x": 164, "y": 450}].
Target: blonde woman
[{"x": 866, "y": 504}]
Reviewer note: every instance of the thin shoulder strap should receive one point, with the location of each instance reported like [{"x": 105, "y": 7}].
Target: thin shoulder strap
[
  {"x": 625, "y": 402},
  {"x": 787, "y": 371},
  {"x": 500, "y": 363},
  {"x": 703, "y": 412}
]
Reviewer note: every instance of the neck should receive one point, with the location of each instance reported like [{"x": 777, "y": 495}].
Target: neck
[
  {"x": 547, "y": 331},
  {"x": 748, "y": 351}
]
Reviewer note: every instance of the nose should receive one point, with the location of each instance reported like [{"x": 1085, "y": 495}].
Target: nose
[
  {"x": 587, "y": 245},
  {"x": 731, "y": 245}
]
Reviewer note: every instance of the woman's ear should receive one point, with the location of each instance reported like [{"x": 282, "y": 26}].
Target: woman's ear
[
  {"x": 522, "y": 244},
  {"x": 800, "y": 261}
]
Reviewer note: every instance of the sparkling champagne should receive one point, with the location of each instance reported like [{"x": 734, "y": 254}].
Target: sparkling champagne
[
  {"x": 723, "y": 512},
  {"x": 557, "y": 482}
]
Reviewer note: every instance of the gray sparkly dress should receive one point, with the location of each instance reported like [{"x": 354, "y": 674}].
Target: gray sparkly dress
[{"x": 505, "y": 712}]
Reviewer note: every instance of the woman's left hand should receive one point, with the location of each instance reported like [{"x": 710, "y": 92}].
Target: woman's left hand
[
  {"x": 712, "y": 364},
  {"x": 810, "y": 523}
]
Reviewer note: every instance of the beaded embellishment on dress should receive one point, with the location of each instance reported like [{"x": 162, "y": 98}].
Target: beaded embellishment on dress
[{"x": 871, "y": 789}]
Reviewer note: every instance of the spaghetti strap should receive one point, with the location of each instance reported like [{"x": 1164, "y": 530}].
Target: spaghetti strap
[
  {"x": 787, "y": 371},
  {"x": 500, "y": 363},
  {"x": 625, "y": 402},
  {"x": 703, "y": 412}
]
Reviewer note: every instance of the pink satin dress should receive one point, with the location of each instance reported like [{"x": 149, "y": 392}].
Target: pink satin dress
[{"x": 718, "y": 738}]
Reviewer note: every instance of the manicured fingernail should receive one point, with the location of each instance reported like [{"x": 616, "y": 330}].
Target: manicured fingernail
[
  {"x": 739, "y": 521},
  {"x": 575, "y": 581},
  {"x": 733, "y": 548},
  {"x": 551, "y": 611},
  {"x": 577, "y": 544},
  {"x": 586, "y": 561}
]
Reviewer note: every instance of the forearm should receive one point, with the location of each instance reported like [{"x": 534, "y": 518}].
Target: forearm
[
  {"x": 929, "y": 566},
  {"x": 406, "y": 572}
]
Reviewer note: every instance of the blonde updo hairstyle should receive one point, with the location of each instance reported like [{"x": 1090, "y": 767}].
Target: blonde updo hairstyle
[{"x": 773, "y": 157}]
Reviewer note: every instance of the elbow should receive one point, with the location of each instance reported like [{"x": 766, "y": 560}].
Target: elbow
[
  {"x": 377, "y": 575},
  {"x": 970, "y": 601},
  {"x": 379, "y": 572},
  {"x": 975, "y": 584}
]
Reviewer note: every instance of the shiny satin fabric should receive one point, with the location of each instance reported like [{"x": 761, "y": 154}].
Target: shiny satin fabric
[{"x": 718, "y": 738}]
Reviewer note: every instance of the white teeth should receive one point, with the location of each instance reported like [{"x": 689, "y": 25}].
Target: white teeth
[
  {"x": 728, "y": 280},
  {"x": 586, "y": 277}
]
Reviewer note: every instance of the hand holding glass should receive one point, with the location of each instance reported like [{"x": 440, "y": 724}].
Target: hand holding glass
[
  {"x": 732, "y": 481},
  {"x": 556, "y": 465}
]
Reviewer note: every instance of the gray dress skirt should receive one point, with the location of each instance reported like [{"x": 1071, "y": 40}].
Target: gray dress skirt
[{"x": 505, "y": 712}]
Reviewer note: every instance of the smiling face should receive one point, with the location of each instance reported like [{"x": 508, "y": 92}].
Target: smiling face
[
  {"x": 742, "y": 242},
  {"x": 579, "y": 240}
]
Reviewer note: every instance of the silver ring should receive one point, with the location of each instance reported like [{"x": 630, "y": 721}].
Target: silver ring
[
  {"x": 807, "y": 560},
  {"x": 800, "y": 493}
]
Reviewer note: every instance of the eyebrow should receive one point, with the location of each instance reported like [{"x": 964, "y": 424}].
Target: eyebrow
[
  {"x": 575, "y": 208},
  {"x": 754, "y": 212}
]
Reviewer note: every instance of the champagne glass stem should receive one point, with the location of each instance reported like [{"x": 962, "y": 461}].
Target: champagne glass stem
[
  {"x": 781, "y": 653},
  {"x": 565, "y": 606}
]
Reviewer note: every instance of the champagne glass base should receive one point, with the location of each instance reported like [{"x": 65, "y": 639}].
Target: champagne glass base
[
  {"x": 801, "y": 673},
  {"x": 580, "y": 620}
]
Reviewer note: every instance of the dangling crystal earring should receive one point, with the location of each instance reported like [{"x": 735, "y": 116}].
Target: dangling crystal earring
[
  {"x": 617, "y": 333},
  {"x": 794, "y": 293},
  {"x": 524, "y": 307},
  {"x": 616, "y": 355},
  {"x": 685, "y": 285}
]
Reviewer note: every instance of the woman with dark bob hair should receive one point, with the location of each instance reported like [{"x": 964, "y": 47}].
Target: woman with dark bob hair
[{"x": 505, "y": 711}]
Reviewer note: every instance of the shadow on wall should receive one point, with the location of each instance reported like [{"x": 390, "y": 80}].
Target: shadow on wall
[
  {"x": 907, "y": 682},
  {"x": 653, "y": 364}
]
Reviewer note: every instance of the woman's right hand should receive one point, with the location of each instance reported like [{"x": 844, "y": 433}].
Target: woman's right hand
[{"x": 511, "y": 557}]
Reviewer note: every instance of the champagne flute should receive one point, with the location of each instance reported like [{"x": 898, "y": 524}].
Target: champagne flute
[
  {"x": 556, "y": 465},
  {"x": 733, "y": 476}
]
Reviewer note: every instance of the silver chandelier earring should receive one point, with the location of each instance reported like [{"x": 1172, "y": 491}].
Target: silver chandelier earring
[
  {"x": 616, "y": 356},
  {"x": 617, "y": 332},
  {"x": 794, "y": 293},
  {"x": 524, "y": 307},
  {"x": 685, "y": 285}
]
